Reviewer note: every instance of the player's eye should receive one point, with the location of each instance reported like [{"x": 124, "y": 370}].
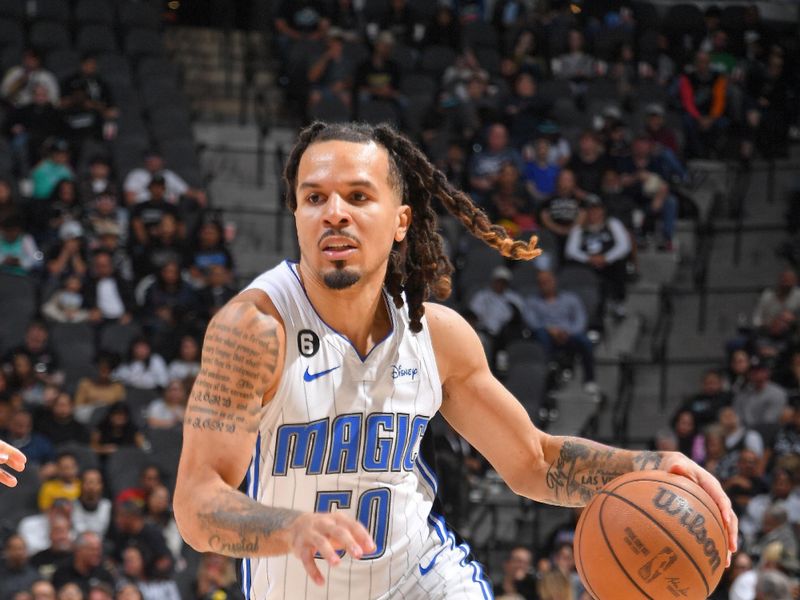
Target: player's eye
[
  {"x": 359, "y": 196},
  {"x": 314, "y": 198}
]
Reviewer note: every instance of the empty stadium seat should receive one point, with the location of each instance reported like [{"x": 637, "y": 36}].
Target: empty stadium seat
[
  {"x": 49, "y": 35},
  {"x": 22, "y": 500},
  {"x": 117, "y": 337},
  {"x": 11, "y": 33},
  {"x": 73, "y": 344},
  {"x": 418, "y": 84},
  {"x": 63, "y": 63},
  {"x": 406, "y": 57},
  {"x": 143, "y": 42},
  {"x": 435, "y": 59},
  {"x": 18, "y": 302},
  {"x": 49, "y": 10},
  {"x": 377, "y": 111},
  {"x": 330, "y": 109},
  {"x": 96, "y": 38},
  {"x": 14, "y": 9},
  {"x": 139, "y": 14},
  {"x": 94, "y": 11},
  {"x": 123, "y": 468},
  {"x": 479, "y": 34},
  {"x": 475, "y": 264},
  {"x": 114, "y": 68}
]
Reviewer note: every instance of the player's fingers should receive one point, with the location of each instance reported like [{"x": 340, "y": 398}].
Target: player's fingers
[
  {"x": 7, "y": 478},
  {"x": 325, "y": 549},
  {"x": 12, "y": 457},
  {"x": 341, "y": 537},
  {"x": 359, "y": 533},
  {"x": 307, "y": 558}
]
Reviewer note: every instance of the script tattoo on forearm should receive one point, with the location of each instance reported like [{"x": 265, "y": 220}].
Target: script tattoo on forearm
[
  {"x": 238, "y": 361},
  {"x": 240, "y": 527},
  {"x": 581, "y": 469}
]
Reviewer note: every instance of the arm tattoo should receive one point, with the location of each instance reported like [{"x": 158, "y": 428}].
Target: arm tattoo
[
  {"x": 240, "y": 355},
  {"x": 646, "y": 460},
  {"x": 240, "y": 527}
]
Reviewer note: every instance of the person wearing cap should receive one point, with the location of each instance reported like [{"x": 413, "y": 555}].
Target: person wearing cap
[
  {"x": 602, "y": 243},
  {"x": 68, "y": 256},
  {"x": 761, "y": 402},
  {"x": 703, "y": 96},
  {"x": 497, "y": 308},
  {"x": 51, "y": 169},
  {"x": 331, "y": 75},
  {"x": 656, "y": 128},
  {"x": 146, "y": 216},
  {"x": 137, "y": 183},
  {"x": 558, "y": 321}
]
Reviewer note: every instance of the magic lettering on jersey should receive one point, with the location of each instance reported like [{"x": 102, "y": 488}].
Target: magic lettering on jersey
[{"x": 377, "y": 442}]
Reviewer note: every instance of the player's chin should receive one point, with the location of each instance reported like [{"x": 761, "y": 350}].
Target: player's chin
[{"x": 341, "y": 276}]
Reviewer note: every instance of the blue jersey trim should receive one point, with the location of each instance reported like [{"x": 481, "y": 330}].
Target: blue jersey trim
[
  {"x": 251, "y": 487},
  {"x": 289, "y": 264},
  {"x": 447, "y": 536},
  {"x": 428, "y": 474}
]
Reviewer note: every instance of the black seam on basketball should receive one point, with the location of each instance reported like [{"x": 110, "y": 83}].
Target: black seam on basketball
[
  {"x": 614, "y": 554},
  {"x": 698, "y": 498},
  {"x": 578, "y": 537},
  {"x": 665, "y": 530}
]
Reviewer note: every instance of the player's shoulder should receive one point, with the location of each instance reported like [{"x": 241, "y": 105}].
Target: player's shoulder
[
  {"x": 251, "y": 311},
  {"x": 453, "y": 339}
]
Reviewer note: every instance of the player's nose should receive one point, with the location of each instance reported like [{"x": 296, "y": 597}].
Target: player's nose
[{"x": 336, "y": 210}]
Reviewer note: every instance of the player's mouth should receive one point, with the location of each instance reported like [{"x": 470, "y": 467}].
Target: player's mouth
[{"x": 338, "y": 248}]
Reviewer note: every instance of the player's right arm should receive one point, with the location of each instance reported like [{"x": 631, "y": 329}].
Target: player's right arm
[{"x": 241, "y": 365}]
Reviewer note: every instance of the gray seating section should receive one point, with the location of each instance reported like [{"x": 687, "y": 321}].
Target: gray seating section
[
  {"x": 166, "y": 451},
  {"x": 114, "y": 68},
  {"x": 73, "y": 344},
  {"x": 18, "y": 301},
  {"x": 123, "y": 468},
  {"x": 527, "y": 376},
  {"x": 117, "y": 337},
  {"x": 96, "y": 38},
  {"x": 475, "y": 263},
  {"x": 144, "y": 15},
  {"x": 378, "y": 111},
  {"x": 14, "y": 9},
  {"x": 84, "y": 455},
  {"x": 50, "y": 10},
  {"x": 20, "y": 501},
  {"x": 138, "y": 400},
  {"x": 94, "y": 11},
  {"x": 435, "y": 59},
  {"x": 143, "y": 42},
  {"x": 49, "y": 35},
  {"x": 63, "y": 63},
  {"x": 11, "y": 32},
  {"x": 330, "y": 109}
]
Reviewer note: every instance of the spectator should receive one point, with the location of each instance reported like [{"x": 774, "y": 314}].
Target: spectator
[
  {"x": 100, "y": 590},
  {"x": 29, "y": 126},
  {"x": 137, "y": 183},
  {"x": 331, "y": 74},
  {"x": 167, "y": 412},
  {"x": 16, "y": 574},
  {"x": 70, "y": 591},
  {"x": 65, "y": 484},
  {"x": 128, "y": 591},
  {"x": 716, "y": 460},
  {"x": 519, "y": 576},
  {"x": 347, "y": 18},
  {"x": 656, "y": 129},
  {"x": 91, "y": 511},
  {"x": 526, "y": 55},
  {"x": 485, "y": 166},
  {"x": 116, "y": 430},
  {"x": 558, "y": 320},
  {"x": 740, "y": 563},
  {"x": 645, "y": 177},
  {"x": 99, "y": 390},
  {"x": 774, "y": 585},
  {"x": 54, "y": 167},
  {"x": 66, "y": 303},
  {"x": 146, "y": 216},
  {"x": 64, "y": 205},
  {"x": 87, "y": 103},
  {"x": 775, "y": 527},
  {"x": 588, "y": 164},
  {"x": 787, "y": 440},
  {"x": 85, "y": 568},
  {"x": 746, "y": 482},
  {"x": 562, "y": 211},
  {"x": 97, "y": 180},
  {"x": 58, "y": 422},
  {"x": 541, "y": 172},
  {"x": 402, "y": 21},
  {"x": 69, "y": 256},
  {"x": 690, "y": 441},
  {"x": 186, "y": 365},
  {"x": 767, "y": 108},
  {"x": 299, "y": 20},
  {"x": 134, "y": 572},
  {"x": 788, "y": 376},
  {"x": 22, "y": 378},
  {"x": 166, "y": 244},
  {"x": 46, "y": 561},
  {"x": 20, "y": 81},
  {"x": 443, "y": 29},
  {"x": 602, "y": 243},
  {"x": 736, "y": 374},
  {"x": 108, "y": 296},
  {"x": 703, "y": 98},
  {"x": 217, "y": 291},
  {"x": 497, "y": 308},
  {"x": 524, "y": 108},
  {"x": 158, "y": 511},
  {"x": 43, "y": 590},
  {"x": 577, "y": 67},
  {"x": 216, "y": 576},
  {"x": 564, "y": 562},
  {"x": 144, "y": 369},
  {"x": 149, "y": 479},
  {"x": 131, "y": 529},
  {"x": 169, "y": 301},
  {"x": 470, "y": 103},
  {"x": 706, "y": 404},
  {"x": 109, "y": 238},
  {"x": 554, "y": 585},
  {"x": 784, "y": 297},
  {"x": 34, "y": 446},
  {"x": 761, "y": 402},
  {"x": 35, "y": 529},
  {"x": 783, "y": 489},
  {"x": 19, "y": 254},
  {"x": 105, "y": 217},
  {"x": 208, "y": 249},
  {"x": 378, "y": 78},
  {"x": 511, "y": 206},
  {"x": 738, "y": 438}
]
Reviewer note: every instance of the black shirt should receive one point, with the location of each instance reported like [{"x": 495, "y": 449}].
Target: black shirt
[
  {"x": 67, "y": 573},
  {"x": 149, "y": 541},
  {"x": 151, "y": 212}
]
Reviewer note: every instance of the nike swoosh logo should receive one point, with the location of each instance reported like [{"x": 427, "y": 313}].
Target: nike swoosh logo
[
  {"x": 312, "y": 376},
  {"x": 426, "y": 570}
]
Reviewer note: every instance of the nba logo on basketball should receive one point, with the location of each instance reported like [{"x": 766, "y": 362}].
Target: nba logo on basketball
[{"x": 658, "y": 564}]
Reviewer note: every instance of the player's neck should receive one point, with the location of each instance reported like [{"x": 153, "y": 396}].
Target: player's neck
[{"x": 359, "y": 313}]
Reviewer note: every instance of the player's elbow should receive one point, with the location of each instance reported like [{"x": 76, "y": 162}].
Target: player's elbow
[
  {"x": 185, "y": 511},
  {"x": 526, "y": 476}
]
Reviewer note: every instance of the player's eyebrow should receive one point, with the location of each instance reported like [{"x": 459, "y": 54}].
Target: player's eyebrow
[{"x": 365, "y": 183}]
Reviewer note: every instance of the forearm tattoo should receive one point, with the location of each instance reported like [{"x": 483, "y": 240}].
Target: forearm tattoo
[
  {"x": 238, "y": 526},
  {"x": 582, "y": 467}
]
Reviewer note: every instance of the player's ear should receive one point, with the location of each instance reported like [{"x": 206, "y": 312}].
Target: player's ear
[{"x": 403, "y": 222}]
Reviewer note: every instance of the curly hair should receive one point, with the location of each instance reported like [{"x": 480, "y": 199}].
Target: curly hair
[{"x": 418, "y": 266}]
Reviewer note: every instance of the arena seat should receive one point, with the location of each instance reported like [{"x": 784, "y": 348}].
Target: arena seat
[
  {"x": 406, "y": 58},
  {"x": 63, "y": 63},
  {"x": 330, "y": 109},
  {"x": 141, "y": 42},
  {"x": 94, "y": 11},
  {"x": 114, "y": 69},
  {"x": 479, "y": 34},
  {"x": 377, "y": 111},
  {"x": 14, "y": 9},
  {"x": 117, "y": 337},
  {"x": 20, "y": 501},
  {"x": 435, "y": 59},
  {"x": 123, "y": 468},
  {"x": 74, "y": 346},
  {"x": 18, "y": 296},
  {"x": 86, "y": 457},
  {"x": 584, "y": 282},
  {"x": 144, "y": 15},
  {"x": 49, "y": 10},
  {"x": 11, "y": 32},
  {"x": 49, "y": 35},
  {"x": 96, "y": 38}
]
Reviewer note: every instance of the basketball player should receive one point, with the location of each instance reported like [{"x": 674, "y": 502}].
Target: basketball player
[
  {"x": 318, "y": 380},
  {"x": 13, "y": 458}
]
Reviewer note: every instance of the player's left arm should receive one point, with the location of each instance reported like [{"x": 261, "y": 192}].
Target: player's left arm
[{"x": 566, "y": 471}]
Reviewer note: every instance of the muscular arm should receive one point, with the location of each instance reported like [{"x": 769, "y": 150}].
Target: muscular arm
[
  {"x": 241, "y": 363},
  {"x": 567, "y": 471}
]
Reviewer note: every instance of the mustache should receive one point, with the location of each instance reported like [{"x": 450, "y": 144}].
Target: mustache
[{"x": 337, "y": 233}]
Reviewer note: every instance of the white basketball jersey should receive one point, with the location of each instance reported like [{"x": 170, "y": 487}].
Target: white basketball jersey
[{"x": 343, "y": 433}]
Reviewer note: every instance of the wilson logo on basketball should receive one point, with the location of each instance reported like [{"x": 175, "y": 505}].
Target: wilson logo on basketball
[{"x": 677, "y": 506}]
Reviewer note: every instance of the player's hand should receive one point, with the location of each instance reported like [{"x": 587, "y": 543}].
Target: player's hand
[
  {"x": 13, "y": 458},
  {"x": 326, "y": 533},
  {"x": 675, "y": 462}
]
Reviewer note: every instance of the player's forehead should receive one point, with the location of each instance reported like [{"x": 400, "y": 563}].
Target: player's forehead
[{"x": 339, "y": 161}]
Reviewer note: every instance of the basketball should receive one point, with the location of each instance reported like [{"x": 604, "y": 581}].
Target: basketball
[{"x": 650, "y": 534}]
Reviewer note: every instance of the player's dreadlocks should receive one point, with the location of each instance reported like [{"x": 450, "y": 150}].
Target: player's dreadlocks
[{"x": 418, "y": 265}]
